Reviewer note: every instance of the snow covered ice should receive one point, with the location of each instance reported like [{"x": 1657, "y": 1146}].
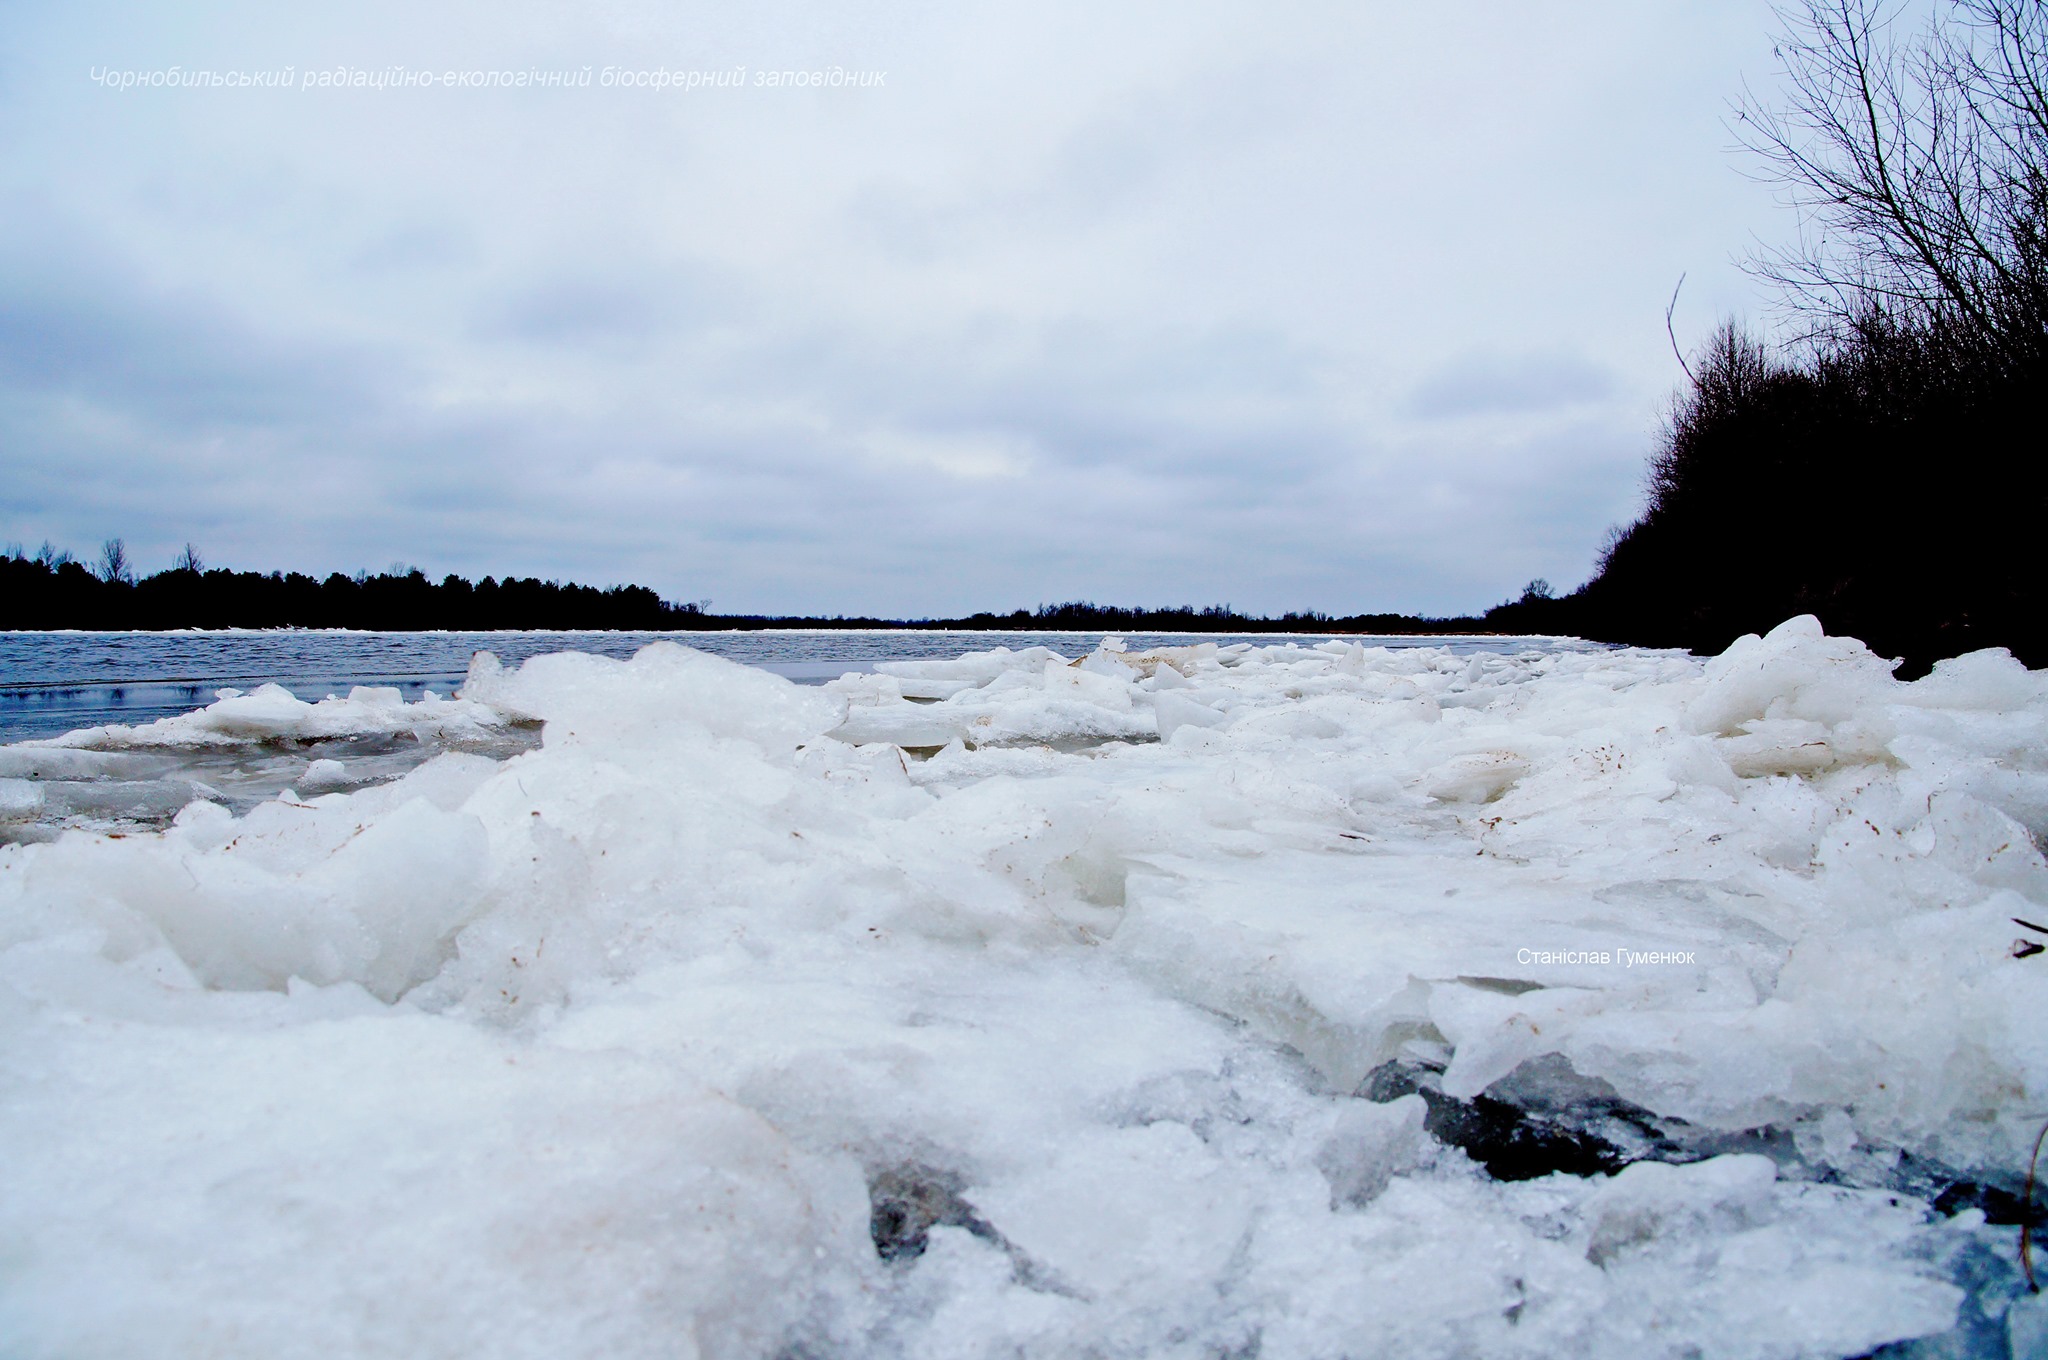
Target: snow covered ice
[{"x": 1287, "y": 1001}]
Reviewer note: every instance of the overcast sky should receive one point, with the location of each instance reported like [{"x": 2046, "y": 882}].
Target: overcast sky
[{"x": 1339, "y": 306}]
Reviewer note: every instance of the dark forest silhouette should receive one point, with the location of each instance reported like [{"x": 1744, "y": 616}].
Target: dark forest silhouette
[
  {"x": 1880, "y": 485},
  {"x": 52, "y": 590}
]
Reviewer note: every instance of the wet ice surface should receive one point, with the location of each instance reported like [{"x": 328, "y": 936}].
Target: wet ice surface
[
  {"x": 238, "y": 752},
  {"x": 1289, "y": 1001}
]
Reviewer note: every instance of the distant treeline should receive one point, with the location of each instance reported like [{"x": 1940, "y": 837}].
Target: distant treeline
[
  {"x": 50, "y": 589},
  {"x": 1080, "y": 616}
]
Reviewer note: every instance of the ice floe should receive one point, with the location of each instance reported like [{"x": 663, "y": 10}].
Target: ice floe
[{"x": 1290, "y": 1001}]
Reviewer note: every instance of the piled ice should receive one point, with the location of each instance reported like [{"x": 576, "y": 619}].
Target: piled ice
[{"x": 1135, "y": 1005}]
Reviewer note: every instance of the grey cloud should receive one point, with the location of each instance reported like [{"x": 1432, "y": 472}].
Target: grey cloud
[
  {"x": 171, "y": 363},
  {"x": 1492, "y": 384},
  {"x": 615, "y": 306},
  {"x": 82, "y": 324},
  {"x": 415, "y": 248},
  {"x": 1236, "y": 402}
]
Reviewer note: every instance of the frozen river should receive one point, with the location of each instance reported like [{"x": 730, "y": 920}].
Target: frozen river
[{"x": 1145, "y": 997}]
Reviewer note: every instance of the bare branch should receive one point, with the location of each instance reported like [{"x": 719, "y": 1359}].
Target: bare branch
[
  {"x": 1673, "y": 335},
  {"x": 1919, "y": 167}
]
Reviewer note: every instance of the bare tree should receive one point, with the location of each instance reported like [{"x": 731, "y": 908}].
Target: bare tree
[
  {"x": 189, "y": 560},
  {"x": 113, "y": 566},
  {"x": 1920, "y": 162}
]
